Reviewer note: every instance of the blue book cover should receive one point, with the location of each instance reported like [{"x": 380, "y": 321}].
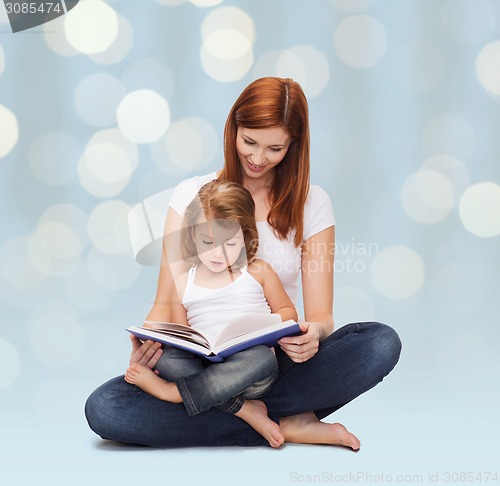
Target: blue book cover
[{"x": 242, "y": 333}]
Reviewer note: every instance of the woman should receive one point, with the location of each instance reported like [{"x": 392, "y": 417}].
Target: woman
[{"x": 266, "y": 149}]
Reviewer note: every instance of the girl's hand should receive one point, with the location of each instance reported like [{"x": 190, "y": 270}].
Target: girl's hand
[
  {"x": 147, "y": 353},
  {"x": 303, "y": 347}
]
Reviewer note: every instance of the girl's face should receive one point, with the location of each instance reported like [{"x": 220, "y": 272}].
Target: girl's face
[
  {"x": 260, "y": 150},
  {"x": 218, "y": 246}
]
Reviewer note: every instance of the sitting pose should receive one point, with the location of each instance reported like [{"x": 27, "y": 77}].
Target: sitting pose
[
  {"x": 266, "y": 150},
  {"x": 220, "y": 236}
]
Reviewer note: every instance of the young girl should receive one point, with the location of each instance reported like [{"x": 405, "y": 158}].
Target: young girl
[{"x": 220, "y": 239}]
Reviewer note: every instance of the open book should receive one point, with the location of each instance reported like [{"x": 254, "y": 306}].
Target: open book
[{"x": 242, "y": 333}]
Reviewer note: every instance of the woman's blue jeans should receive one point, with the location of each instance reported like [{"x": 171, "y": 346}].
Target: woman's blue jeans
[
  {"x": 348, "y": 363},
  {"x": 248, "y": 374}
]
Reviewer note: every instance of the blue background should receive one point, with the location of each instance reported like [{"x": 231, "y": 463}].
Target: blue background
[{"x": 404, "y": 111}]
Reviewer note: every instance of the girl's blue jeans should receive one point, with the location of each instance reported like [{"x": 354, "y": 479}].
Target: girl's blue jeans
[
  {"x": 247, "y": 374},
  {"x": 348, "y": 363}
]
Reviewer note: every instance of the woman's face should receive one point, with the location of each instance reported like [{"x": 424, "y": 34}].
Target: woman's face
[{"x": 260, "y": 150}]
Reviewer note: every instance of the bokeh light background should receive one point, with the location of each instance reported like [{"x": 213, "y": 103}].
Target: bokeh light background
[{"x": 119, "y": 100}]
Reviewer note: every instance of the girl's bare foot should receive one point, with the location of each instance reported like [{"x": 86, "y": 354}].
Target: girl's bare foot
[
  {"x": 151, "y": 383},
  {"x": 306, "y": 428},
  {"x": 254, "y": 413}
]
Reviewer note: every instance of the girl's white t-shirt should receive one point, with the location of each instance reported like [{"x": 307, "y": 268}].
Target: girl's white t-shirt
[
  {"x": 210, "y": 310},
  {"x": 282, "y": 255}
]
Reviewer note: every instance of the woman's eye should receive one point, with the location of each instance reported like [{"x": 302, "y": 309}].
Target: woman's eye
[
  {"x": 206, "y": 242},
  {"x": 230, "y": 244}
]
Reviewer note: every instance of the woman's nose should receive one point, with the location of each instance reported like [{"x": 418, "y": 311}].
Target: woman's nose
[{"x": 257, "y": 157}]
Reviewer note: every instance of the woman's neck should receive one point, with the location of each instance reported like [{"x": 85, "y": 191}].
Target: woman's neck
[
  {"x": 258, "y": 185},
  {"x": 255, "y": 185},
  {"x": 259, "y": 188}
]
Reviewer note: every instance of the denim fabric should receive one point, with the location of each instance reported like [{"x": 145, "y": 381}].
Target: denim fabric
[
  {"x": 203, "y": 385},
  {"x": 349, "y": 362}
]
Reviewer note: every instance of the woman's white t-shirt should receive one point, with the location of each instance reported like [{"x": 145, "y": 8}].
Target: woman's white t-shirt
[{"x": 282, "y": 255}]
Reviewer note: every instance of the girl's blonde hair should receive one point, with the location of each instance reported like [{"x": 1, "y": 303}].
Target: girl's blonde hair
[
  {"x": 229, "y": 203},
  {"x": 267, "y": 103}
]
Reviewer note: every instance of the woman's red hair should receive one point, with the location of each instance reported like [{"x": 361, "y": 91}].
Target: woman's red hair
[{"x": 269, "y": 103}]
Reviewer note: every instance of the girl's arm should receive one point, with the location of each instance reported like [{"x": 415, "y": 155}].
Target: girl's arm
[
  {"x": 275, "y": 294},
  {"x": 317, "y": 291}
]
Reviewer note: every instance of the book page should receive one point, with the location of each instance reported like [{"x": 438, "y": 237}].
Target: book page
[
  {"x": 178, "y": 330},
  {"x": 248, "y": 323},
  {"x": 193, "y": 345}
]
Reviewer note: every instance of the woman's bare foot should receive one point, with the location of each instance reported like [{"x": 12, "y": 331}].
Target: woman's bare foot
[
  {"x": 306, "y": 428},
  {"x": 254, "y": 413},
  {"x": 151, "y": 383}
]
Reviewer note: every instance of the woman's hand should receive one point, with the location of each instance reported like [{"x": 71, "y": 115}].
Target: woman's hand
[
  {"x": 147, "y": 353},
  {"x": 303, "y": 347}
]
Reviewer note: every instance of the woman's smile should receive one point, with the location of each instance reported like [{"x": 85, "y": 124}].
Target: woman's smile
[{"x": 255, "y": 168}]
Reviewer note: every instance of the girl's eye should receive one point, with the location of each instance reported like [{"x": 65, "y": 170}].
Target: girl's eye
[
  {"x": 230, "y": 244},
  {"x": 248, "y": 142},
  {"x": 276, "y": 149}
]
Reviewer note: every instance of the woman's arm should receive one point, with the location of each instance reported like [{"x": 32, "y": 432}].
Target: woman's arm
[
  {"x": 317, "y": 290},
  {"x": 171, "y": 266},
  {"x": 167, "y": 306},
  {"x": 275, "y": 294}
]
